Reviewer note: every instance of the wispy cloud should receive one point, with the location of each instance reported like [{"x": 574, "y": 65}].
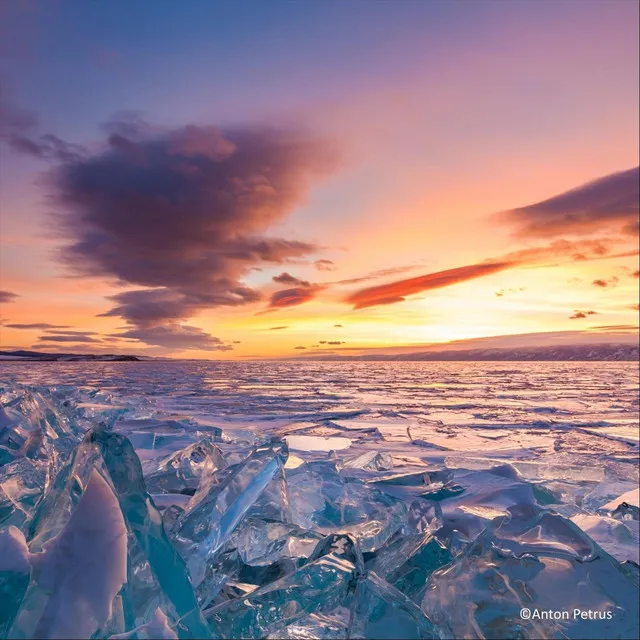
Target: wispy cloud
[
  {"x": 603, "y": 283},
  {"x": 376, "y": 275},
  {"x": 397, "y": 291},
  {"x": 324, "y": 265},
  {"x": 7, "y": 296},
  {"x": 287, "y": 278},
  {"x": 68, "y": 338},
  {"x": 36, "y": 325},
  {"x": 580, "y": 315}
]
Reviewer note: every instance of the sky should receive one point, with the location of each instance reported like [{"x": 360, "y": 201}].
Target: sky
[{"x": 249, "y": 179}]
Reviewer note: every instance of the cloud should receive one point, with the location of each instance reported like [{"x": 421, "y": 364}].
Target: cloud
[
  {"x": 635, "y": 274},
  {"x": 18, "y": 129},
  {"x": 602, "y": 283},
  {"x": 300, "y": 347},
  {"x": 14, "y": 121},
  {"x": 608, "y": 202},
  {"x": 183, "y": 214},
  {"x": 279, "y": 328},
  {"x": 579, "y": 315},
  {"x": 374, "y": 275},
  {"x": 175, "y": 336},
  {"x": 47, "y": 147},
  {"x": 36, "y": 325},
  {"x": 67, "y": 332},
  {"x": 397, "y": 291},
  {"x": 547, "y": 255},
  {"x": 8, "y": 296},
  {"x": 634, "y": 307},
  {"x": 502, "y": 292},
  {"x": 324, "y": 265},
  {"x": 615, "y": 327},
  {"x": 293, "y": 297},
  {"x": 335, "y": 342},
  {"x": 338, "y": 326},
  {"x": 286, "y": 278},
  {"x": 68, "y": 338}
]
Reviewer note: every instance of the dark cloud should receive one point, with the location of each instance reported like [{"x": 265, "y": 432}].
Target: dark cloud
[
  {"x": 324, "y": 265},
  {"x": 635, "y": 274},
  {"x": 175, "y": 336},
  {"x": 279, "y": 328},
  {"x": 7, "y": 296},
  {"x": 338, "y": 326},
  {"x": 287, "y": 278},
  {"x": 236, "y": 342},
  {"x": 36, "y": 325},
  {"x": 602, "y": 283},
  {"x": 397, "y": 291},
  {"x": 335, "y": 342},
  {"x": 610, "y": 201},
  {"x": 300, "y": 347},
  {"x": 68, "y": 338},
  {"x": 183, "y": 214},
  {"x": 579, "y": 315}
]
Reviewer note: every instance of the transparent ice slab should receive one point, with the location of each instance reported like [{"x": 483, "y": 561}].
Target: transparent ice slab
[
  {"x": 218, "y": 508},
  {"x": 184, "y": 468},
  {"x": 322, "y": 500},
  {"x": 533, "y": 560},
  {"x": 156, "y": 574}
]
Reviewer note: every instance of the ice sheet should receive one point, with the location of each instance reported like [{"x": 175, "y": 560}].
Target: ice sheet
[{"x": 443, "y": 488}]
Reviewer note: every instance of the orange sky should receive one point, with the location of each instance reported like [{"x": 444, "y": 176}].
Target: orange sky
[{"x": 424, "y": 150}]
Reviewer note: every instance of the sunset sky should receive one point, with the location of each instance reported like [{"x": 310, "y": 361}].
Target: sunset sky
[{"x": 277, "y": 179}]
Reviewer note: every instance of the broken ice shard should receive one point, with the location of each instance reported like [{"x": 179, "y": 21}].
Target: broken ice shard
[
  {"x": 414, "y": 553},
  {"x": 183, "y": 469},
  {"x": 213, "y": 514},
  {"x": 534, "y": 560},
  {"x": 33, "y": 426},
  {"x": 321, "y": 584},
  {"x": 156, "y": 574},
  {"x": 14, "y": 575},
  {"x": 323, "y": 500},
  {"x": 22, "y": 482},
  {"x": 78, "y": 573},
  {"x": 379, "y": 610},
  {"x": 370, "y": 461},
  {"x": 157, "y": 629},
  {"x": 261, "y": 543}
]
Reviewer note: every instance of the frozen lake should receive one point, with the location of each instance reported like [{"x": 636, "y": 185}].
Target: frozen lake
[{"x": 441, "y": 473}]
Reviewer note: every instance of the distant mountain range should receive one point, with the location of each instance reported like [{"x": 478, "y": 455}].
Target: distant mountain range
[
  {"x": 39, "y": 356},
  {"x": 581, "y": 352}
]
